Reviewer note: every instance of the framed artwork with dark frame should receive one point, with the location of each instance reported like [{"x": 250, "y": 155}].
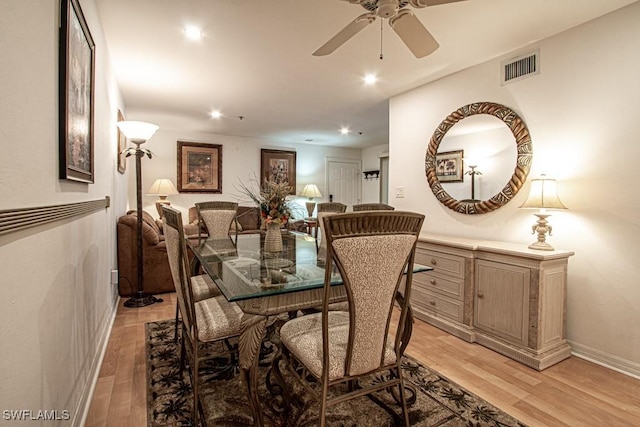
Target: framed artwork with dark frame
[
  {"x": 199, "y": 167},
  {"x": 449, "y": 166},
  {"x": 76, "y": 96},
  {"x": 121, "y": 146},
  {"x": 278, "y": 166}
]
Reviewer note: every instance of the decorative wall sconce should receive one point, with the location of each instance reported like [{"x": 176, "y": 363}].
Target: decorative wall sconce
[
  {"x": 162, "y": 188},
  {"x": 543, "y": 195},
  {"x": 371, "y": 174}
]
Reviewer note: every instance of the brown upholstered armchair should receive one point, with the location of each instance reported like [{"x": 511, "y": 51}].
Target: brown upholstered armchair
[{"x": 157, "y": 275}]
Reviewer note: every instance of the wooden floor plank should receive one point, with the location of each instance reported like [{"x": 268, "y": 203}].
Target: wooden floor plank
[{"x": 572, "y": 393}]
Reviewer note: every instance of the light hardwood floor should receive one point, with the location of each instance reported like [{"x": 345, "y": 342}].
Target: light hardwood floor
[{"x": 572, "y": 393}]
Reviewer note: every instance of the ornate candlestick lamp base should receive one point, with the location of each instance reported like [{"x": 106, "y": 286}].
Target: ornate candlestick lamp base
[{"x": 541, "y": 227}]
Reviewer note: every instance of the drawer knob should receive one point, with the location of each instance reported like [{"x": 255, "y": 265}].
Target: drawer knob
[
  {"x": 480, "y": 295},
  {"x": 432, "y": 281},
  {"x": 432, "y": 302},
  {"x": 433, "y": 261}
]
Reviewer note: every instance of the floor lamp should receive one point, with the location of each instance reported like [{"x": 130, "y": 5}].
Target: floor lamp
[{"x": 138, "y": 133}]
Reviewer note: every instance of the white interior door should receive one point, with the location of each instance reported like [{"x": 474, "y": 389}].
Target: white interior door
[{"x": 343, "y": 181}]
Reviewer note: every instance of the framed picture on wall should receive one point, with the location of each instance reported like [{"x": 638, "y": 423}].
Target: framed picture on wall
[
  {"x": 121, "y": 146},
  {"x": 449, "y": 166},
  {"x": 199, "y": 167},
  {"x": 77, "y": 92},
  {"x": 278, "y": 166}
]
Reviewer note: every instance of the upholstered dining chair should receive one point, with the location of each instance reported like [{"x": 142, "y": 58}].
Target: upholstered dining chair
[
  {"x": 217, "y": 217},
  {"x": 208, "y": 320},
  {"x": 325, "y": 209},
  {"x": 371, "y": 250},
  {"x": 372, "y": 207}
]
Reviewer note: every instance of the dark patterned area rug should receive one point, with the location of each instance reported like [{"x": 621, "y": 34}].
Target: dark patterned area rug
[{"x": 438, "y": 401}]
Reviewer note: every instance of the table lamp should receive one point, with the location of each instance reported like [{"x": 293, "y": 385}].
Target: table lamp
[
  {"x": 543, "y": 195},
  {"x": 138, "y": 133},
  {"x": 310, "y": 191},
  {"x": 162, "y": 187}
]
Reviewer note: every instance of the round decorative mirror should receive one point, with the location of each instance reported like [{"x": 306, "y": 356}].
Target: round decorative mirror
[{"x": 444, "y": 161}]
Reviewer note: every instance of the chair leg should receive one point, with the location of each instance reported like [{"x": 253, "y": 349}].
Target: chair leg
[
  {"x": 323, "y": 404},
  {"x": 403, "y": 399},
  {"x": 194, "y": 384},
  {"x": 175, "y": 329},
  {"x": 183, "y": 354}
]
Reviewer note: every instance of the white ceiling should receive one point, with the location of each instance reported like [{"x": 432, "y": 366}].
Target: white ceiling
[{"x": 255, "y": 60}]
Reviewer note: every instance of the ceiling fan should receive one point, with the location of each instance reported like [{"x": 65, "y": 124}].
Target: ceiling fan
[{"x": 401, "y": 19}]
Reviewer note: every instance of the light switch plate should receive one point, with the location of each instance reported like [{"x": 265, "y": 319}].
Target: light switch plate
[{"x": 399, "y": 192}]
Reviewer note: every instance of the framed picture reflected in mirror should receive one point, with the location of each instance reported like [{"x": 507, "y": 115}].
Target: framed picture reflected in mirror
[{"x": 449, "y": 166}]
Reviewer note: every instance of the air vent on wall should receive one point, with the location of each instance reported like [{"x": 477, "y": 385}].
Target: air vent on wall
[{"x": 519, "y": 68}]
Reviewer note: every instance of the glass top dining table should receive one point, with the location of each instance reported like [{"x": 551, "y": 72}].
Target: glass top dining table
[
  {"x": 242, "y": 269},
  {"x": 266, "y": 285}
]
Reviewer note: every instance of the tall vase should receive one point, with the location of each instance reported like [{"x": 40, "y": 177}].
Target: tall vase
[{"x": 273, "y": 238}]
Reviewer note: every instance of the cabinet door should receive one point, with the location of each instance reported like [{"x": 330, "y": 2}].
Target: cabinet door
[{"x": 502, "y": 300}]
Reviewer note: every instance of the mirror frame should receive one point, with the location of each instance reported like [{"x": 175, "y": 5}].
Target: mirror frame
[{"x": 523, "y": 160}]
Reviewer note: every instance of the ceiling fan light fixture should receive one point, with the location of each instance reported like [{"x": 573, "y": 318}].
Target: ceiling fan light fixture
[{"x": 387, "y": 8}]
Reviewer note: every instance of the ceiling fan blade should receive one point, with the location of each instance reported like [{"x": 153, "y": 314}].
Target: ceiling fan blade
[
  {"x": 345, "y": 34},
  {"x": 417, "y": 38},
  {"x": 424, "y": 3}
]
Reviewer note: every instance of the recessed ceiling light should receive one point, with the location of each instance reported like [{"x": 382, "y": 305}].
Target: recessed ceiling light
[
  {"x": 344, "y": 130},
  {"x": 215, "y": 114},
  {"x": 192, "y": 32},
  {"x": 370, "y": 79}
]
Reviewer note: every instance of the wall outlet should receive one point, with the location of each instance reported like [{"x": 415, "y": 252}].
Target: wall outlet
[
  {"x": 399, "y": 192},
  {"x": 114, "y": 277}
]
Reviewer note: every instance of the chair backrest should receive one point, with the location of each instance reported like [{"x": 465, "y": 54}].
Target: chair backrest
[
  {"x": 217, "y": 217},
  {"x": 325, "y": 209},
  {"x": 331, "y": 207},
  {"x": 179, "y": 265},
  {"x": 371, "y": 251},
  {"x": 372, "y": 207}
]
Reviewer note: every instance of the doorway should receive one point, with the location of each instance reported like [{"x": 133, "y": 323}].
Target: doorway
[
  {"x": 343, "y": 181},
  {"x": 384, "y": 179}
]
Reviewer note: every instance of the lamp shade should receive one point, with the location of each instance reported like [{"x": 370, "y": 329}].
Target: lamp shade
[
  {"x": 137, "y": 132},
  {"x": 162, "y": 187},
  {"x": 543, "y": 195},
  {"x": 310, "y": 191}
]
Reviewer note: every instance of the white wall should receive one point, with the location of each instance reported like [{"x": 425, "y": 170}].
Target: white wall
[
  {"x": 240, "y": 163},
  {"x": 583, "y": 117},
  {"x": 57, "y": 302}
]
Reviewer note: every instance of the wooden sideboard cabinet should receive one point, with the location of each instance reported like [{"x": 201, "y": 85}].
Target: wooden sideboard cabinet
[{"x": 503, "y": 296}]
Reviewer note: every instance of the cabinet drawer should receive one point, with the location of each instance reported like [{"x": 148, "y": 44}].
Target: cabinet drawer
[
  {"x": 444, "y": 264},
  {"x": 434, "y": 282},
  {"x": 430, "y": 301}
]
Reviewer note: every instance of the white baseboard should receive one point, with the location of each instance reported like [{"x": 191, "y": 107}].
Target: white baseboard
[
  {"x": 82, "y": 411},
  {"x": 609, "y": 361}
]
